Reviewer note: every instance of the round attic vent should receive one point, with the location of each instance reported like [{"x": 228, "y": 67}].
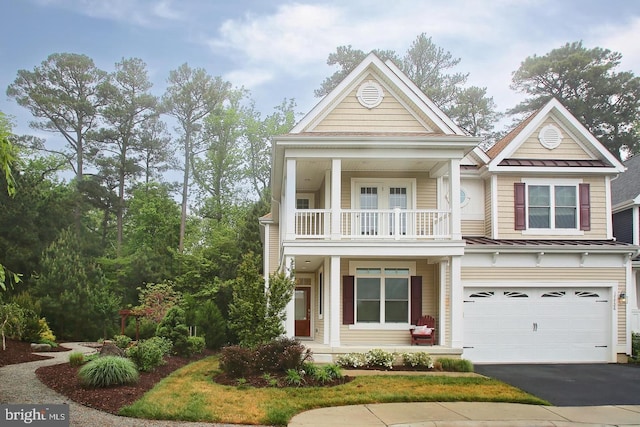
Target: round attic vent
[
  {"x": 370, "y": 94},
  {"x": 550, "y": 136}
]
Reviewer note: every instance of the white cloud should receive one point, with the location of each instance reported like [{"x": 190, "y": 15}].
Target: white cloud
[
  {"x": 144, "y": 13},
  {"x": 249, "y": 78},
  {"x": 621, "y": 38}
]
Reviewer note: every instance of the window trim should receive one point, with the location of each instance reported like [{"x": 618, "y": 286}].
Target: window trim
[
  {"x": 551, "y": 182},
  {"x": 353, "y": 266}
]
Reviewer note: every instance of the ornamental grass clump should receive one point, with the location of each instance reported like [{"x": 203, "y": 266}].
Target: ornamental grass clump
[
  {"x": 76, "y": 358},
  {"x": 108, "y": 371}
]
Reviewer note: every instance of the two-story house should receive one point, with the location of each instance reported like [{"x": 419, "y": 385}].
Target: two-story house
[
  {"x": 385, "y": 210},
  {"x": 626, "y": 226}
]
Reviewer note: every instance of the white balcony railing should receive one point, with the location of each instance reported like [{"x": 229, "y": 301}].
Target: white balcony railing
[{"x": 374, "y": 224}]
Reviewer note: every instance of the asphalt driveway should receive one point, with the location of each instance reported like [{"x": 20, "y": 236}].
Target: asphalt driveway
[{"x": 572, "y": 384}]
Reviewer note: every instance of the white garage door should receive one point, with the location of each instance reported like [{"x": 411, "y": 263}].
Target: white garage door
[{"x": 537, "y": 325}]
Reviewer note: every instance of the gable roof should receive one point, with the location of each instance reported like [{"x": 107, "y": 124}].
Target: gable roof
[
  {"x": 502, "y": 151},
  {"x": 626, "y": 187},
  {"x": 395, "y": 82}
]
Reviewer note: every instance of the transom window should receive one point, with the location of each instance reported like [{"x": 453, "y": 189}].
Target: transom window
[
  {"x": 553, "y": 206},
  {"x": 382, "y": 295}
]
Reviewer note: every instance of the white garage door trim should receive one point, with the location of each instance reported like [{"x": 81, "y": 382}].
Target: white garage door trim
[{"x": 524, "y": 323}]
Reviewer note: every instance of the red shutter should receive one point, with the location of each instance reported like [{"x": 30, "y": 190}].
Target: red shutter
[
  {"x": 520, "y": 206},
  {"x": 585, "y": 207},
  {"x": 416, "y": 298},
  {"x": 347, "y": 300}
]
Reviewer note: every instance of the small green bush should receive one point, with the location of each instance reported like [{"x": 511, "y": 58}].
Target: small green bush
[
  {"x": 173, "y": 326},
  {"x": 195, "y": 345},
  {"x": 149, "y": 354},
  {"x": 455, "y": 365},
  {"x": 145, "y": 330},
  {"x": 122, "y": 341},
  {"x": 51, "y": 343},
  {"x": 294, "y": 377},
  {"x": 108, "y": 371},
  {"x": 76, "y": 358}
]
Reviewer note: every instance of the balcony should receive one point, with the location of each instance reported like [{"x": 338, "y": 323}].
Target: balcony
[{"x": 387, "y": 224}]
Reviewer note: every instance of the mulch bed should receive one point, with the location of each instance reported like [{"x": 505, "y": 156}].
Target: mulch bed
[{"x": 20, "y": 352}]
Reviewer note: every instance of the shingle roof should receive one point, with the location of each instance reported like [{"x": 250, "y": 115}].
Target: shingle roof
[
  {"x": 627, "y": 185},
  {"x": 504, "y": 142}
]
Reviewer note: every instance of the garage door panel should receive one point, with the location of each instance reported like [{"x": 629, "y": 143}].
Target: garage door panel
[{"x": 537, "y": 325}]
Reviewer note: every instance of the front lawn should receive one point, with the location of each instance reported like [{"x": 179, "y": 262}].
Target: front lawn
[{"x": 190, "y": 394}]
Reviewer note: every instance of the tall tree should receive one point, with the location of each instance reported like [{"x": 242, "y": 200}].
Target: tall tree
[
  {"x": 585, "y": 81},
  {"x": 190, "y": 96},
  {"x": 474, "y": 111},
  {"x": 8, "y": 158},
  {"x": 64, "y": 93},
  {"x": 220, "y": 170},
  {"x": 429, "y": 67},
  {"x": 258, "y": 151},
  {"x": 156, "y": 154},
  {"x": 129, "y": 105}
]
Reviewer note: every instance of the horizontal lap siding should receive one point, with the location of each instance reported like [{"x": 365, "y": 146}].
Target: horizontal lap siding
[
  {"x": 567, "y": 150},
  {"x": 540, "y": 276},
  {"x": 389, "y": 116},
  {"x": 274, "y": 247},
  {"x": 506, "y": 210},
  {"x": 430, "y": 304},
  {"x": 475, "y": 227}
]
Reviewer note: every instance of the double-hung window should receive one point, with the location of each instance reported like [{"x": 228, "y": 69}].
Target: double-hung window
[
  {"x": 382, "y": 295},
  {"x": 553, "y": 206}
]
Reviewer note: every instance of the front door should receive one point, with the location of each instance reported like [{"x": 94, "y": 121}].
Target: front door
[{"x": 303, "y": 312}]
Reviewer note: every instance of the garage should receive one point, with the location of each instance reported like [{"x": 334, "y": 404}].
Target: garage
[{"x": 537, "y": 325}]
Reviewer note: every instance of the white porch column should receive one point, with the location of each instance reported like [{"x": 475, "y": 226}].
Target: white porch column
[
  {"x": 335, "y": 298},
  {"x": 290, "y": 321},
  {"x": 290, "y": 200},
  {"x": 457, "y": 301},
  {"x": 454, "y": 199},
  {"x": 443, "y": 325},
  {"x": 336, "y": 180}
]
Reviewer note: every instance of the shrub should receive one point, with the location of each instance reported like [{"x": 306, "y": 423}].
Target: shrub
[
  {"x": 420, "y": 360},
  {"x": 146, "y": 328},
  {"x": 45, "y": 331},
  {"x": 149, "y": 354},
  {"x": 351, "y": 360},
  {"x": 76, "y": 358},
  {"x": 334, "y": 371},
  {"x": 195, "y": 345},
  {"x": 122, "y": 341},
  {"x": 635, "y": 346},
  {"x": 294, "y": 377},
  {"x": 455, "y": 365},
  {"x": 108, "y": 371},
  {"x": 237, "y": 361},
  {"x": 281, "y": 354},
  {"x": 381, "y": 359},
  {"x": 173, "y": 326},
  {"x": 31, "y": 327}
]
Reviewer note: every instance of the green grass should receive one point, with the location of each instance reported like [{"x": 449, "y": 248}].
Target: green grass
[{"x": 190, "y": 394}]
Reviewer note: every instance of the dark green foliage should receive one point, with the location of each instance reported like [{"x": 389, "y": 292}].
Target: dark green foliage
[
  {"x": 146, "y": 328},
  {"x": 174, "y": 328},
  {"x": 209, "y": 323},
  {"x": 149, "y": 354},
  {"x": 195, "y": 345},
  {"x": 122, "y": 341},
  {"x": 108, "y": 371}
]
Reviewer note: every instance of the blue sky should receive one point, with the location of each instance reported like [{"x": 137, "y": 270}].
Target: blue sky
[{"x": 278, "y": 49}]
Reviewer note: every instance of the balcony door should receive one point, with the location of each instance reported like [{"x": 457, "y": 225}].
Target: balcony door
[{"x": 381, "y": 199}]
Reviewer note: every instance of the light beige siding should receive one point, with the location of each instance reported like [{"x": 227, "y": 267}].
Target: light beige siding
[
  {"x": 488, "y": 218},
  {"x": 506, "y": 210},
  {"x": 274, "y": 247},
  {"x": 430, "y": 304},
  {"x": 540, "y": 276},
  {"x": 390, "y": 116},
  {"x": 473, "y": 227},
  {"x": 568, "y": 149}
]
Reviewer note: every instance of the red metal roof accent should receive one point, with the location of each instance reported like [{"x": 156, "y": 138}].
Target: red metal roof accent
[{"x": 554, "y": 163}]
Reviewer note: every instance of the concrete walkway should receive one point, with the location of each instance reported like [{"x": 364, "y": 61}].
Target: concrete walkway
[
  {"x": 19, "y": 384},
  {"x": 467, "y": 414}
]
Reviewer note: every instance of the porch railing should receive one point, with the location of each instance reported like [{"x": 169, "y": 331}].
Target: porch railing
[{"x": 374, "y": 224}]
